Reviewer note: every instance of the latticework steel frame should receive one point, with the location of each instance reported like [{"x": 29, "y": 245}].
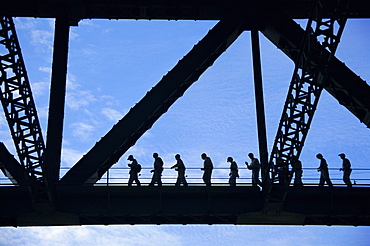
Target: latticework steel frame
[
  {"x": 306, "y": 85},
  {"x": 18, "y": 103}
]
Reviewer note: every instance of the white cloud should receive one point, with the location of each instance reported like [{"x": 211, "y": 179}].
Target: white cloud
[
  {"x": 108, "y": 30},
  {"x": 43, "y": 111},
  {"x": 112, "y": 114},
  {"x": 86, "y": 23},
  {"x": 45, "y": 69},
  {"x": 39, "y": 88},
  {"x": 82, "y": 131},
  {"x": 89, "y": 51},
  {"x": 77, "y": 99},
  {"x": 109, "y": 100},
  {"x": 90, "y": 235},
  {"x": 24, "y": 23},
  {"x": 139, "y": 151},
  {"x": 178, "y": 235},
  {"x": 42, "y": 37},
  {"x": 72, "y": 82},
  {"x": 72, "y": 34},
  {"x": 70, "y": 156}
]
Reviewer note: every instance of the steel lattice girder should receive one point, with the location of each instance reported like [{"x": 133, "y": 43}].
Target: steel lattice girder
[
  {"x": 20, "y": 112},
  {"x": 307, "y": 81},
  {"x": 18, "y": 104},
  {"x": 156, "y": 102},
  {"x": 347, "y": 87}
]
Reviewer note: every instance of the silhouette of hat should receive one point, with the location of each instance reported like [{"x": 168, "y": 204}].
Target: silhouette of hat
[{"x": 341, "y": 154}]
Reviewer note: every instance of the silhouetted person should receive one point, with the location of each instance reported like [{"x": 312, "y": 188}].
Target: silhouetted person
[
  {"x": 233, "y": 171},
  {"x": 283, "y": 173},
  {"x": 134, "y": 170},
  {"x": 255, "y": 166},
  {"x": 157, "y": 171},
  {"x": 346, "y": 168},
  {"x": 180, "y": 168},
  {"x": 297, "y": 171},
  {"x": 207, "y": 168},
  {"x": 323, "y": 168}
]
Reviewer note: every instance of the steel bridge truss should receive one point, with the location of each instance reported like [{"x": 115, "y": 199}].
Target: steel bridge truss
[
  {"x": 309, "y": 76},
  {"x": 316, "y": 69},
  {"x": 18, "y": 103}
]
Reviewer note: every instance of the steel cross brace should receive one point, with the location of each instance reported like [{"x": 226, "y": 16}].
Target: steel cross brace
[
  {"x": 155, "y": 103},
  {"x": 306, "y": 86},
  {"x": 18, "y": 104},
  {"x": 342, "y": 83},
  {"x": 20, "y": 112}
]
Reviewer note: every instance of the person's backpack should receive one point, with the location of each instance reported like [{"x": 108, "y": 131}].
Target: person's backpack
[{"x": 138, "y": 168}]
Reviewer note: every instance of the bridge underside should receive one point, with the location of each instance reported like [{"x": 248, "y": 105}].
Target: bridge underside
[
  {"x": 77, "y": 204},
  {"x": 107, "y": 205},
  {"x": 166, "y": 9}
]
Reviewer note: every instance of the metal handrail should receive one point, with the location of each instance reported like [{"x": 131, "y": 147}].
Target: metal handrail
[{"x": 120, "y": 176}]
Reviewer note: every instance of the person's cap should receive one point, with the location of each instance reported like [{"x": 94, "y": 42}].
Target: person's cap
[
  {"x": 341, "y": 154},
  {"x": 130, "y": 157}
]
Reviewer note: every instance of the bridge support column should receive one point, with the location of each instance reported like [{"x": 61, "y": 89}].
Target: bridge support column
[
  {"x": 260, "y": 111},
  {"x": 57, "y": 93}
]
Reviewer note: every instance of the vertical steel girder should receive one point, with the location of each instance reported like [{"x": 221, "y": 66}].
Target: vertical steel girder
[
  {"x": 154, "y": 104},
  {"x": 306, "y": 85},
  {"x": 18, "y": 103},
  {"x": 57, "y": 93},
  {"x": 260, "y": 108}
]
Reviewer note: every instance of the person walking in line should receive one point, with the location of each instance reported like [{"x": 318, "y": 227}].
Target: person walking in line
[
  {"x": 346, "y": 168},
  {"x": 297, "y": 171},
  {"x": 234, "y": 173},
  {"x": 255, "y": 166},
  {"x": 180, "y": 168},
  {"x": 135, "y": 168},
  {"x": 323, "y": 168},
  {"x": 207, "y": 168},
  {"x": 157, "y": 171}
]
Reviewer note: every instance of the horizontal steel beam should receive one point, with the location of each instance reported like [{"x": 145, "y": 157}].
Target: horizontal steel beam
[
  {"x": 94, "y": 205},
  {"x": 163, "y": 9}
]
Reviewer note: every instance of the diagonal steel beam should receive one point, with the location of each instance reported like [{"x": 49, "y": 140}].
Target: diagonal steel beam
[
  {"x": 21, "y": 115},
  {"x": 155, "y": 103},
  {"x": 18, "y": 104},
  {"x": 341, "y": 82},
  {"x": 307, "y": 84},
  {"x": 12, "y": 168}
]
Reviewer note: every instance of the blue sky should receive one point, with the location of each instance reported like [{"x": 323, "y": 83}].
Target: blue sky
[{"x": 112, "y": 64}]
